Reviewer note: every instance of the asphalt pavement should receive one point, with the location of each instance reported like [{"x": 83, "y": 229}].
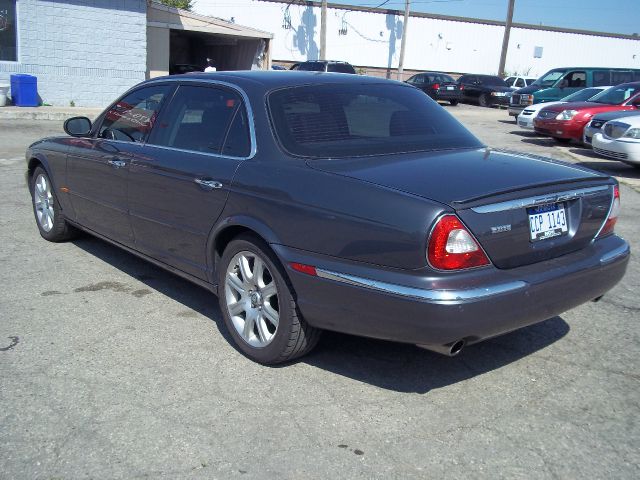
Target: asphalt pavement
[{"x": 114, "y": 369}]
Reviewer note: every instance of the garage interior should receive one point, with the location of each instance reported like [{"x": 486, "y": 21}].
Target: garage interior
[{"x": 177, "y": 37}]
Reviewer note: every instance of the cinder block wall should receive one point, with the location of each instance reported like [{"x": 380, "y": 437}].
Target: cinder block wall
[{"x": 82, "y": 51}]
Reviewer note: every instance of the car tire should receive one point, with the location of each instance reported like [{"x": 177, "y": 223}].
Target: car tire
[
  {"x": 453, "y": 102},
  {"x": 562, "y": 140},
  {"x": 46, "y": 209},
  {"x": 258, "y": 305},
  {"x": 482, "y": 100}
]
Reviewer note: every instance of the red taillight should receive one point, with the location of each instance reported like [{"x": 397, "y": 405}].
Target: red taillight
[
  {"x": 435, "y": 86},
  {"x": 613, "y": 214},
  {"x": 452, "y": 246},
  {"x": 302, "y": 268},
  {"x": 461, "y": 87}
]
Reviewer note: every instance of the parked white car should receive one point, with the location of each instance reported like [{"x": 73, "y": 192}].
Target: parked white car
[
  {"x": 525, "y": 119},
  {"x": 619, "y": 139},
  {"x": 515, "y": 82}
]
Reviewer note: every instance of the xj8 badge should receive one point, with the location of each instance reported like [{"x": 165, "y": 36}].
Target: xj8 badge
[{"x": 501, "y": 228}]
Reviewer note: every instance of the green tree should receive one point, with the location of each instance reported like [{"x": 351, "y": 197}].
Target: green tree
[{"x": 183, "y": 4}]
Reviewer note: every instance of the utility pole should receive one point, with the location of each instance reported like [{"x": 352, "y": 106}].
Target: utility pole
[
  {"x": 505, "y": 39},
  {"x": 323, "y": 31},
  {"x": 404, "y": 39}
]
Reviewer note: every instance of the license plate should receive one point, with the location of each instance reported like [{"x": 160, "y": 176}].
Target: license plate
[
  {"x": 547, "y": 221},
  {"x": 523, "y": 124},
  {"x": 451, "y": 88}
]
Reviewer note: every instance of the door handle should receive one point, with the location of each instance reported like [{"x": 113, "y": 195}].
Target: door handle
[
  {"x": 208, "y": 184},
  {"x": 116, "y": 163}
]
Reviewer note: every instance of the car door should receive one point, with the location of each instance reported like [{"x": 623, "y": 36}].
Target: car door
[
  {"x": 98, "y": 167},
  {"x": 180, "y": 181}
]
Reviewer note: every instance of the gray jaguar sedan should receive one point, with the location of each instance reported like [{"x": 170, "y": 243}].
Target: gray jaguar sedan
[{"x": 311, "y": 201}]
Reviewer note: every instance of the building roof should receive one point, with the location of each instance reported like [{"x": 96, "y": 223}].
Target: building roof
[{"x": 163, "y": 16}]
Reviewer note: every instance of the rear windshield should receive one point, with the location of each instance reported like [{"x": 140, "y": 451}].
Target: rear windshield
[
  {"x": 493, "y": 81},
  {"x": 360, "y": 120},
  {"x": 582, "y": 95},
  {"x": 617, "y": 95}
]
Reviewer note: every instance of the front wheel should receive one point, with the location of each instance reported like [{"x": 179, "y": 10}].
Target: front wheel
[
  {"x": 46, "y": 209},
  {"x": 258, "y": 306},
  {"x": 482, "y": 100},
  {"x": 453, "y": 102}
]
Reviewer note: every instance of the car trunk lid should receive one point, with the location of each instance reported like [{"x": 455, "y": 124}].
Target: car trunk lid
[{"x": 494, "y": 193}]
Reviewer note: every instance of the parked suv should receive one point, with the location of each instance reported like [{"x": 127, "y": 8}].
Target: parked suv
[
  {"x": 516, "y": 82},
  {"x": 325, "y": 66},
  {"x": 560, "y": 82}
]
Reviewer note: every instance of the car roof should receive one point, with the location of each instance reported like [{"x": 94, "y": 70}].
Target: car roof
[{"x": 269, "y": 79}]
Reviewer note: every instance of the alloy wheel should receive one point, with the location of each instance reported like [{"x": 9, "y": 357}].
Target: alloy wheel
[
  {"x": 43, "y": 202},
  {"x": 251, "y": 298}
]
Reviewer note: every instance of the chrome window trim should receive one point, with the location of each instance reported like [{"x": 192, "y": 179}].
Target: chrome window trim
[
  {"x": 235, "y": 88},
  {"x": 438, "y": 296},
  {"x": 541, "y": 200}
]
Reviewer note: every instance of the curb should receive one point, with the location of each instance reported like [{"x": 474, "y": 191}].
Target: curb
[{"x": 46, "y": 113}]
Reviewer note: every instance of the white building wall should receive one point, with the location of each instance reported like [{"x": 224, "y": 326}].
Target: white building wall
[
  {"x": 373, "y": 39},
  {"x": 83, "y": 51}
]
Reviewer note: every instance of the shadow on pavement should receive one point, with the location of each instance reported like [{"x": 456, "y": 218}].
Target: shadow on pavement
[
  {"x": 611, "y": 167},
  {"x": 407, "y": 368},
  {"x": 392, "y": 366},
  {"x": 188, "y": 294}
]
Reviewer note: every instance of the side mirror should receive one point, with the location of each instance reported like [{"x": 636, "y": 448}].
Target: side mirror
[{"x": 77, "y": 126}]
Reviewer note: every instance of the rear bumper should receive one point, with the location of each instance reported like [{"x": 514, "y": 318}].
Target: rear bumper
[
  {"x": 418, "y": 308},
  {"x": 447, "y": 95}
]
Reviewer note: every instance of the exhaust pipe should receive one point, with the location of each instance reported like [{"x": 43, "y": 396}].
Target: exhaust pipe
[{"x": 450, "y": 349}]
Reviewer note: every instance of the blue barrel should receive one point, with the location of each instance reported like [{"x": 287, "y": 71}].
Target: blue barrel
[{"x": 24, "y": 90}]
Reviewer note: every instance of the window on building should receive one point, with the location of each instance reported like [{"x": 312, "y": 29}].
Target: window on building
[{"x": 8, "y": 42}]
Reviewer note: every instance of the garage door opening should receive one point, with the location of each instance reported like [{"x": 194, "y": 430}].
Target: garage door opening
[{"x": 190, "y": 50}]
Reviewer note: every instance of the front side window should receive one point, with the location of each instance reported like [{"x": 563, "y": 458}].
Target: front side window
[
  {"x": 335, "y": 121},
  {"x": 205, "y": 119},
  {"x": 131, "y": 118},
  {"x": 8, "y": 29},
  {"x": 520, "y": 83}
]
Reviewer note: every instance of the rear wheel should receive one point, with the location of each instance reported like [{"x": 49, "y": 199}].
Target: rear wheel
[
  {"x": 46, "y": 209},
  {"x": 562, "y": 140},
  {"x": 482, "y": 100},
  {"x": 453, "y": 102},
  {"x": 258, "y": 305}
]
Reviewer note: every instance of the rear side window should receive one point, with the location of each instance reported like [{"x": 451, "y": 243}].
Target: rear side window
[
  {"x": 601, "y": 78},
  {"x": 204, "y": 119},
  {"x": 360, "y": 120},
  {"x": 340, "y": 68},
  {"x": 618, "y": 77},
  {"x": 311, "y": 67},
  {"x": 131, "y": 118}
]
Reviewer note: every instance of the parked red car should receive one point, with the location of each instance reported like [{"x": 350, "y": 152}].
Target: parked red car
[{"x": 566, "y": 121}]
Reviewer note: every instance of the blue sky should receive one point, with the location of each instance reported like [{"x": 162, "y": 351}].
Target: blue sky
[{"x": 614, "y": 16}]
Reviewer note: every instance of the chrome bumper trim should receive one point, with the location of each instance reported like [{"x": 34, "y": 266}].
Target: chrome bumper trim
[
  {"x": 541, "y": 200},
  {"x": 439, "y": 296},
  {"x": 615, "y": 254}
]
